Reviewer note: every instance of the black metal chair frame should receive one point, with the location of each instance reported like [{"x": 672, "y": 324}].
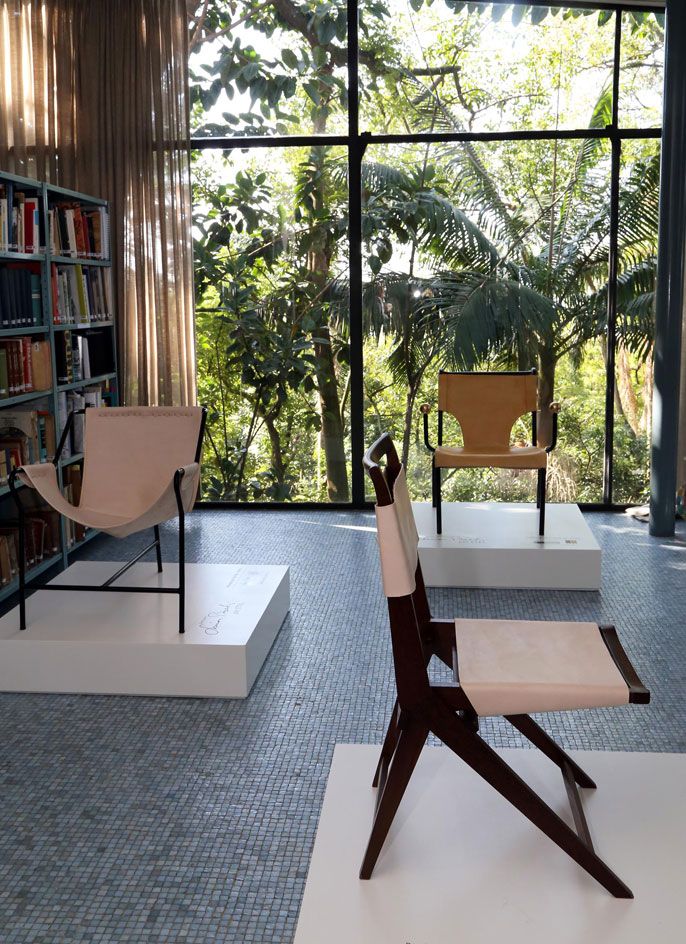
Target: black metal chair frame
[
  {"x": 28, "y": 587},
  {"x": 423, "y": 707},
  {"x": 436, "y": 499}
]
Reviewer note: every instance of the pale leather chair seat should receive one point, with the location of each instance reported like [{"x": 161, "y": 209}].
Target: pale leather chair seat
[
  {"x": 497, "y": 457},
  {"x": 513, "y": 667}
]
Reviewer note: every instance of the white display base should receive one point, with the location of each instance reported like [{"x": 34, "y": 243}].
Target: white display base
[
  {"x": 496, "y": 544},
  {"x": 129, "y": 644},
  {"x": 462, "y": 865}
]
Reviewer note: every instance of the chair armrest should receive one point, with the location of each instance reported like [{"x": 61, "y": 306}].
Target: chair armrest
[
  {"x": 185, "y": 484},
  {"x": 554, "y": 408},
  {"x": 426, "y": 409}
]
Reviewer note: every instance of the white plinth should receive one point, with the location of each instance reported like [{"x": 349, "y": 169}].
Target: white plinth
[
  {"x": 496, "y": 544},
  {"x": 129, "y": 644},
  {"x": 462, "y": 865}
]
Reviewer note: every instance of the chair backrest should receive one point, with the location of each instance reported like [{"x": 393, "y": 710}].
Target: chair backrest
[
  {"x": 487, "y": 404},
  {"x": 131, "y": 453},
  {"x": 401, "y": 571}
]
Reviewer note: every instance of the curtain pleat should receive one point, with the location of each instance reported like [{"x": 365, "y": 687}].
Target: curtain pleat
[{"x": 94, "y": 96}]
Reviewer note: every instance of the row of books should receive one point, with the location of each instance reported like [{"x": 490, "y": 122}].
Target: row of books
[
  {"x": 20, "y": 295},
  {"x": 19, "y": 220},
  {"x": 26, "y": 436},
  {"x": 78, "y": 400},
  {"x": 42, "y": 532},
  {"x": 41, "y": 540},
  {"x": 82, "y": 356},
  {"x": 71, "y": 489},
  {"x": 79, "y": 231},
  {"x": 81, "y": 294},
  {"x": 25, "y": 366}
]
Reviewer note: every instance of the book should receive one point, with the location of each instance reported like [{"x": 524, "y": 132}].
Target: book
[
  {"x": 4, "y": 379},
  {"x": 78, "y": 230},
  {"x": 42, "y": 365}
]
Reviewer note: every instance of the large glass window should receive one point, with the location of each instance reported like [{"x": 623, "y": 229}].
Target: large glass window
[{"x": 509, "y": 164}]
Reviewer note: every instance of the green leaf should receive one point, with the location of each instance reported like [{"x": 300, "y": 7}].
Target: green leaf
[
  {"x": 312, "y": 90},
  {"x": 289, "y": 58}
]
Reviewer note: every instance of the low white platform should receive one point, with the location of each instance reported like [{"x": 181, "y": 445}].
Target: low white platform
[
  {"x": 129, "y": 644},
  {"x": 461, "y": 865},
  {"x": 496, "y": 544}
]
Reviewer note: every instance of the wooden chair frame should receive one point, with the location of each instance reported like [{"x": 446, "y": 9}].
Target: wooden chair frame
[
  {"x": 436, "y": 498},
  {"x": 422, "y": 708}
]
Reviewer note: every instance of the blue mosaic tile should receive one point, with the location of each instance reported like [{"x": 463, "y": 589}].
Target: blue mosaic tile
[{"x": 155, "y": 821}]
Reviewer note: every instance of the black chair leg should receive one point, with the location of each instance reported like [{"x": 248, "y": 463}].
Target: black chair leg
[
  {"x": 182, "y": 574},
  {"x": 22, "y": 567},
  {"x": 541, "y": 487},
  {"x": 158, "y": 548},
  {"x": 439, "y": 515}
]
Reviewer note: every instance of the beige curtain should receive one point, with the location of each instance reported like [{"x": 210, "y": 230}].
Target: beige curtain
[{"x": 94, "y": 96}]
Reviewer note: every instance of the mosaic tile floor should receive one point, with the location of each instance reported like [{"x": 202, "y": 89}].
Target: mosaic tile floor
[{"x": 141, "y": 820}]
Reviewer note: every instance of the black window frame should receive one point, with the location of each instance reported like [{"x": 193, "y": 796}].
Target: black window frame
[{"x": 357, "y": 141}]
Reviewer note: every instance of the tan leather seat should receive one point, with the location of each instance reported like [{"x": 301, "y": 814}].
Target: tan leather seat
[
  {"x": 131, "y": 455},
  {"x": 495, "y": 457},
  {"x": 512, "y": 667}
]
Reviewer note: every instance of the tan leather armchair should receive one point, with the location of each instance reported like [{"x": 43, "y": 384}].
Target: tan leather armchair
[{"x": 487, "y": 405}]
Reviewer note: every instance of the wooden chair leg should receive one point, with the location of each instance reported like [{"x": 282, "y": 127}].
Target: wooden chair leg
[
  {"x": 538, "y": 737},
  {"x": 410, "y": 744},
  {"x": 489, "y": 765},
  {"x": 390, "y": 743},
  {"x": 542, "y": 487}
]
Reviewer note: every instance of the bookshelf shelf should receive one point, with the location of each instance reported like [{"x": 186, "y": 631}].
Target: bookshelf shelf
[
  {"x": 82, "y": 325},
  {"x": 54, "y": 205},
  {"x": 79, "y": 544},
  {"x": 22, "y": 256},
  {"x": 79, "y": 260},
  {"x": 88, "y": 382},
  {"x": 24, "y": 397},
  {"x": 35, "y": 571},
  {"x": 70, "y": 460},
  {"x": 20, "y": 332}
]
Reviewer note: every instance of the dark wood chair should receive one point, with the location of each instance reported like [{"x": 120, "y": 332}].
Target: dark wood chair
[
  {"x": 487, "y": 404},
  {"x": 499, "y": 667}
]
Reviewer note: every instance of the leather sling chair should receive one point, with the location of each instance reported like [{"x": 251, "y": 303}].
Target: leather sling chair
[
  {"x": 141, "y": 467},
  {"x": 487, "y": 405},
  {"x": 500, "y": 667}
]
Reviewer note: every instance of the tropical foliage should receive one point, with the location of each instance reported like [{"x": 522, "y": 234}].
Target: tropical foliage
[{"x": 475, "y": 254}]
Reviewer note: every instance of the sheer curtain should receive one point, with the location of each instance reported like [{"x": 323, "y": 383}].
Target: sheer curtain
[{"x": 95, "y": 96}]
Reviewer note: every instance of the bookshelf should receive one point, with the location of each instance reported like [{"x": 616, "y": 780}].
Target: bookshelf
[{"x": 47, "y": 264}]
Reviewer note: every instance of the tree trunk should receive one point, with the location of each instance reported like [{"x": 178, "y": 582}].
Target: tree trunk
[
  {"x": 410, "y": 398},
  {"x": 627, "y": 394},
  {"x": 546, "y": 394},
  {"x": 276, "y": 450},
  {"x": 332, "y": 436},
  {"x": 332, "y": 432}
]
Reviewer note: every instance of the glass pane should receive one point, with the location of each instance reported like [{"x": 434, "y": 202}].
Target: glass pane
[
  {"x": 271, "y": 262},
  {"x": 446, "y": 66},
  {"x": 642, "y": 70},
  {"x": 639, "y": 195},
  {"x": 255, "y": 71},
  {"x": 488, "y": 256}
]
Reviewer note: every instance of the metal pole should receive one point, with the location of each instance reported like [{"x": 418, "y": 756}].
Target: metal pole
[
  {"x": 669, "y": 302},
  {"x": 613, "y": 269},
  {"x": 355, "y": 155}
]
